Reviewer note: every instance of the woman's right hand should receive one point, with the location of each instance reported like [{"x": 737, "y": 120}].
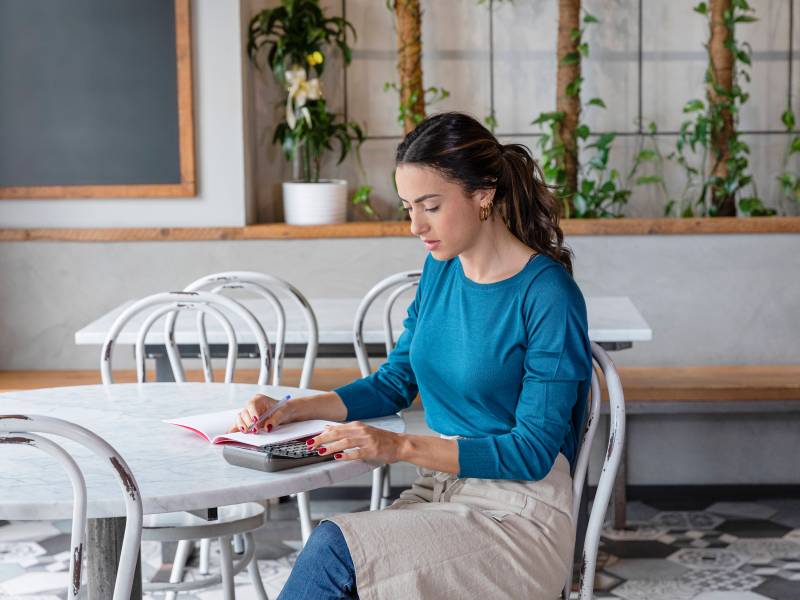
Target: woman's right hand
[{"x": 257, "y": 406}]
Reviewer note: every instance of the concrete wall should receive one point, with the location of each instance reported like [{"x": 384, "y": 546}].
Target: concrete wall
[
  {"x": 712, "y": 299},
  {"x": 222, "y": 145}
]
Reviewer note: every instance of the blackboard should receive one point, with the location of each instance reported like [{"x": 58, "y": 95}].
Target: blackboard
[{"x": 95, "y": 99}]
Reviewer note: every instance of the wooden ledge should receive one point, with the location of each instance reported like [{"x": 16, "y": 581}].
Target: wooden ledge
[
  {"x": 701, "y": 383},
  {"x": 281, "y": 231}
]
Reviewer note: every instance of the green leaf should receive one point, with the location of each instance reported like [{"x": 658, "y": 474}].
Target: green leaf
[
  {"x": 582, "y": 132},
  {"x": 583, "y": 49},
  {"x": 647, "y": 155},
  {"x": 648, "y": 180},
  {"x": 787, "y": 118},
  {"x": 571, "y": 58},
  {"x": 795, "y": 145},
  {"x": 693, "y": 106},
  {"x": 701, "y": 8},
  {"x": 596, "y": 102},
  {"x": 574, "y": 87},
  {"x": 587, "y": 18}
]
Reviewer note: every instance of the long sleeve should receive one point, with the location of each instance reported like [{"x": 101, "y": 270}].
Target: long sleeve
[
  {"x": 557, "y": 368},
  {"x": 393, "y": 386}
]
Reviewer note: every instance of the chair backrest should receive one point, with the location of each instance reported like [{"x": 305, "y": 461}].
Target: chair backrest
[
  {"x": 167, "y": 303},
  {"x": 616, "y": 442},
  {"x": 399, "y": 283},
  {"x": 25, "y": 430},
  {"x": 264, "y": 286}
]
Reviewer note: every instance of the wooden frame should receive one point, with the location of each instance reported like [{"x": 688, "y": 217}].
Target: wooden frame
[
  {"x": 377, "y": 229},
  {"x": 187, "y": 186}
]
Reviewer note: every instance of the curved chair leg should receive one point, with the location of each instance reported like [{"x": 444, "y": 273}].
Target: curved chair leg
[
  {"x": 205, "y": 553},
  {"x": 226, "y": 568},
  {"x": 304, "y": 507},
  {"x": 386, "y": 488},
  {"x": 238, "y": 544},
  {"x": 182, "y": 554},
  {"x": 377, "y": 488},
  {"x": 252, "y": 569}
]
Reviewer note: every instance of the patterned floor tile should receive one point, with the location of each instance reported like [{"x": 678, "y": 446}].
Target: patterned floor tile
[
  {"x": 766, "y": 549},
  {"x": 686, "y": 520},
  {"x": 717, "y": 559},
  {"x": 785, "y": 569},
  {"x": 634, "y": 531},
  {"x": 793, "y": 535},
  {"x": 742, "y": 510},
  {"x": 730, "y": 596},
  {"x": 639, "y": 511},
  {"x": 721, "y": 581},
  {"x": 646, "y": 568},
  {"x": 754, "y": 528},
  {"x": 698, "y": 539},
  {"x": 34, "y": 582},
  {"x": 654, "y": 590},
  {"x": 637, "y": 549},
  {"x": 29, "y": 531},
  {"x": 778, "y": 589}
]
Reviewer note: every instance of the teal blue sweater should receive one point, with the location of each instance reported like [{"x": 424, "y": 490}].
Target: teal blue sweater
[{"x": 506, "y": 365}]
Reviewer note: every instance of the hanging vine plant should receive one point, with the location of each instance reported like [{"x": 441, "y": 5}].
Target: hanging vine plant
[
  {"x": 413, "y": 95},
  {"x": 721, "y": 177},
  {"x": 590, "y": 190}
]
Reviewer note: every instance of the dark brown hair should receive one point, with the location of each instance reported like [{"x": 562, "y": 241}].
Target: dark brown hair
[{"x": 465, "y": 152}]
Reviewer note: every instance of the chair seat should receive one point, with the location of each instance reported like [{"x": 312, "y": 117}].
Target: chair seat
[{"x": 176, "y": 526}]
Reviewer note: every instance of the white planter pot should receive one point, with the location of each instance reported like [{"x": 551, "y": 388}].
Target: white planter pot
[{"x": 315, "y": 203}]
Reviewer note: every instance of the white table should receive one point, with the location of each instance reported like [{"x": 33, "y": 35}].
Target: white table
[
  {"x": 176, "y": 469},
  {"x": 614, "y": 322}
]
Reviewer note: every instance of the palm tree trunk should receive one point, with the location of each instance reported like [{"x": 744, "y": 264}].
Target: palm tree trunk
[
  {"x": 409, "y": 60},
  {"x": 722, "y": 69},
  {"x": 569, "y": 20}
]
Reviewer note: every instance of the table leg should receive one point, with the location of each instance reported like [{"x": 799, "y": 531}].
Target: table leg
[
  {"x": 104, "y": 545},
  {"x": 163, "y": 368},
  {"x": 620, "y": 493}
]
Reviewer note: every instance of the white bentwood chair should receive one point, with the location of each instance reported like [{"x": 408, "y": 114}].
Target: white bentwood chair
[
  {"x": 616, "y": 442},
  {"x": 24, "y": 430},
  {"x": 398, "y": 283},
  {"x": 232, "y": 521},
  {"x": 263, "y": 286}
]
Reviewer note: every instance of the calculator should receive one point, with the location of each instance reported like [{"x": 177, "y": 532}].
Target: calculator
[{"x": 273, "y": 457}]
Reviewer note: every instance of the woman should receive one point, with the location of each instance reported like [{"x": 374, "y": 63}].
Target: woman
[{"x": 496, "y": 343}]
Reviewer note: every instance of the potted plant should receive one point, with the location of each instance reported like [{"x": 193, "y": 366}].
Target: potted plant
[{"x": 296, "y": 35}]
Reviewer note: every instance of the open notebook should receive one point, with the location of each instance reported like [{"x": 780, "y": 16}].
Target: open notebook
[{"x": 214, "y": 427}]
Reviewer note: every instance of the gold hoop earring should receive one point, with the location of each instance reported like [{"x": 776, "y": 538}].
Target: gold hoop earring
[{"x": 486, "y": 210}]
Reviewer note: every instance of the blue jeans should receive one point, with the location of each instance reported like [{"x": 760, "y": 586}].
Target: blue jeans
[{"x": 324, "y": 569}]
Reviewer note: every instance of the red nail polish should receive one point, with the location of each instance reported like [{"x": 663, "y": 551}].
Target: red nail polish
[
  {"x": 310, "y": 442},
  {"x": 322, "y": 450},
  {"x": 269, "y": 428},
  {"x": 241, "y": 429},
  {"x": 337, "y": 455},
  {"x": 255, "y": 419}
]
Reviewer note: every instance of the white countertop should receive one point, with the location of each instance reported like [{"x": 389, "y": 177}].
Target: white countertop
[{"x": 175, "y": 469}]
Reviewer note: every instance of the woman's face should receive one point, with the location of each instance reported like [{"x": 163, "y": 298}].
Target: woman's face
[{"x": 442, "y": 215}]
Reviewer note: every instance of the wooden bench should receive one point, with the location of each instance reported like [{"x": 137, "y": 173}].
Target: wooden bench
[
  {"x": 322, "y": 379},
  {"x": 756, "y": 389}
]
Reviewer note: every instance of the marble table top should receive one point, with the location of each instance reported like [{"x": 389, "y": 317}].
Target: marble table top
[
  {"x": 175, "y": 469},
  {"x": 611, "y": 319}
]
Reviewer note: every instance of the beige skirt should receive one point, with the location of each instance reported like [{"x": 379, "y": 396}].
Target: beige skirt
[{"x": 450, "y": 538}]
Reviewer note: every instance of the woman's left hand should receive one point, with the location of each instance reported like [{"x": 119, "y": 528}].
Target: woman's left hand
[{"x": 362, "y": 442}]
